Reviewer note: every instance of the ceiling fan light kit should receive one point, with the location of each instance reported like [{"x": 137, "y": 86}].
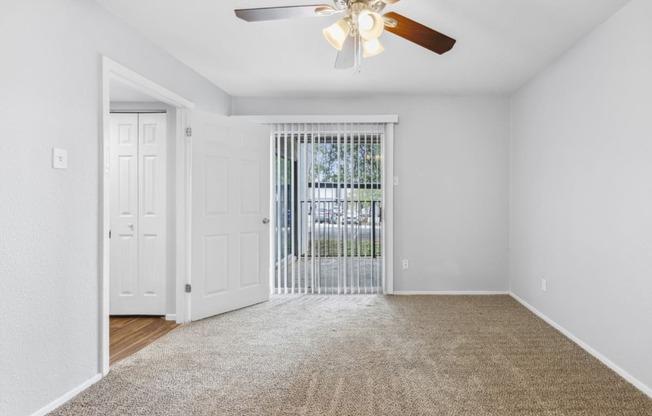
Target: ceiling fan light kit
[
  {"x": 337, "y": 33},
  {"x": 357, "y": 34},
  {"x": 370, "y": 25},
  {"x": 371, "y": 48}
]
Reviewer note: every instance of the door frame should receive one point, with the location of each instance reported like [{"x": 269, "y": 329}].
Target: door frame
[
  {"x": 387, "y": 180},
  {"x": 113, "y": 71}
]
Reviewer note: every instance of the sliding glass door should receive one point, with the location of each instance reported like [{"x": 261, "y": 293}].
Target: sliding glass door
[{"x": 328, "y": 208}]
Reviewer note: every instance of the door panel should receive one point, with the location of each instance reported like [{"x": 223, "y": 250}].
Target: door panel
[
  {"x": 250, "y": 190},
  {"x": 230, "y": 199},
  {"x": 216, "y": 273},
  {"x": 124, "y": 209},
  {"x": 250, "y": 264},
  {"x": 138, "y": 212},
  {"x": 150, "y": 270},
  {"x": 216, "y": 187},
  {"x": 127, "y": 266},
  {"x": 153, "y": 213}
]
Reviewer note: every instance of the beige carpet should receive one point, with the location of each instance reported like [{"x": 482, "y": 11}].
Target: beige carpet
[{"x": 364, "y": 355}]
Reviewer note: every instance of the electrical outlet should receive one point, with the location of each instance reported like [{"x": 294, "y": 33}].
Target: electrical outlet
[
  {"x": 544, "y": 285},
  {"x": 406, "y": 265}
]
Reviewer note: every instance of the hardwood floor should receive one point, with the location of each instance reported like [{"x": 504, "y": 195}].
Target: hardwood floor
[{"x": 129, "y": 334}]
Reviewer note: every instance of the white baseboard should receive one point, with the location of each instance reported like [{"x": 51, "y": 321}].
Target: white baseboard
[
  {"x": 171, "y": 317},
  {"x": 63, "y": 399},
  {"x": 449, "y": 292},
  {"x": 624, "y": 374}
]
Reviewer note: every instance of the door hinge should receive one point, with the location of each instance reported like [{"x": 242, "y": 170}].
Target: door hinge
[
  {"x": 188, "y": 131},
  {"x": 188, "y": 288},
  {"x": 109, "y": 233}
]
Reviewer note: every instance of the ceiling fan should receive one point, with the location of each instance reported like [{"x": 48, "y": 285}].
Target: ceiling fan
[{"x": 356, "y": 34}]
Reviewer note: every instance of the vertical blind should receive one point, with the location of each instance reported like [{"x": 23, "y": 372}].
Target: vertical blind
[{"x": 328, "y": 208}]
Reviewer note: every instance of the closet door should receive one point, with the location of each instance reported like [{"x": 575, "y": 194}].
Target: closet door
[{"x": 138, "y": 214}]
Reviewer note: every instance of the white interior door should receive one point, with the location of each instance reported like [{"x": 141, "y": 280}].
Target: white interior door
[
  {"x": 138, "y": 212},
  {"x": 230, "y": 202}
]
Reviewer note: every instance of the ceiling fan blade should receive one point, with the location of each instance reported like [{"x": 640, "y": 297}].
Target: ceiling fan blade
[
  {"x": 286, "y": 12},
  {"x": 420, "y": 34},
  {"x": 390, "y": 1},
  {"x": 346, "y": 57}
]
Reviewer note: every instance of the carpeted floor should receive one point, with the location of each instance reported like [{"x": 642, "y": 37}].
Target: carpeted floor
[{"x": 364, "y": 355}]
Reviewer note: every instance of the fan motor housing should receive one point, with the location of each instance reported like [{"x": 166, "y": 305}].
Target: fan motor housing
[{"x": 341, "y": 4}]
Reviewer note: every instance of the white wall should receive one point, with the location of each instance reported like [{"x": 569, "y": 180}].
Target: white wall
[
  {"x": 171, "y": 205},
  {"x": 581, "y": 199},
  {"x": 451, "y": 207},
  {"x": 50, "y": 83}
]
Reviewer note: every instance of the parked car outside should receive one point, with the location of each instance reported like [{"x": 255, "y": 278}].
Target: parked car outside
[
  {"x": 350, "y": 218},
  {"x": 323, "y": 215}
]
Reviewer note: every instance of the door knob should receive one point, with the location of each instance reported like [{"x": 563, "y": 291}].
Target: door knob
[
  {"x": 131, "y": 226},
  {"x": 265, "y": 221}
]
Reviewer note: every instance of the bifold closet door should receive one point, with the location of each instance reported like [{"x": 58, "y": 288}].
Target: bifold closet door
[{"x": 138, "y": 214}]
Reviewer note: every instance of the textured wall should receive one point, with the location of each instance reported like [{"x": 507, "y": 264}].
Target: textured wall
[
  {"x": 581, "y": 194},
  {"x": 50, "y": 83},
  {"x": 451, "y": 207}
]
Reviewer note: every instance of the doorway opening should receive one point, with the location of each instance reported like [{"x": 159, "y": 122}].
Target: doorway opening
[
  {"x": 141, "y": 220},
  {"x": 221, "y": 207},
  {"x": 136, "y": 209},
  {"x": 328, "y": 212}
]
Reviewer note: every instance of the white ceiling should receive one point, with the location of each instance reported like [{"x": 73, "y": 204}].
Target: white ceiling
[{"x": 500, "y": 45}]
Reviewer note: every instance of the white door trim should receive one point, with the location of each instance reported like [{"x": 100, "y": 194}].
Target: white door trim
[
  {"x": 112, "y": 70},
  {"x": 387, "y": 186},
  {"x": 183, "y": 210},
  {"x": 288, "y": 119}
]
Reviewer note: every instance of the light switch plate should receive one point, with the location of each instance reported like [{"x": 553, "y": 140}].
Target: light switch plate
[{"x": 59, "y": 158}]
